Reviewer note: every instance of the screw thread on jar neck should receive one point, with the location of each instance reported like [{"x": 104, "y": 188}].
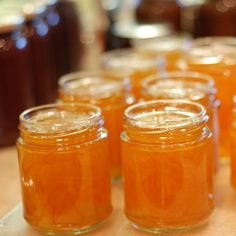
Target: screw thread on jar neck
[
  {"x": 165, "y": 122},
  {"x": 60, "y": 124}
]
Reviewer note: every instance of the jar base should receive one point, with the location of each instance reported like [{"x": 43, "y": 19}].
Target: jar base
[
  {"x": 169, "y": 230},
  {"x": 72, "y": 231}
]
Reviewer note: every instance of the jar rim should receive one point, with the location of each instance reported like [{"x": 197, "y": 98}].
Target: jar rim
[
  {"x": 122, "y": 58},
  {"x": 87, "y": 78},
  {"x": 182, "y": 76},
  {"x": 37, "y": 126},
  {"x": 167, "y": 105},
  {"x": 166, "y": 43},
  {"x": 213, "y": 50}
]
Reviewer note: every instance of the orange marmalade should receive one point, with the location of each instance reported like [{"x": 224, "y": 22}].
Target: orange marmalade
[
  {"x": 216, "y": 56},
  {"x": 232, "y": 147},
  {"x": 188, "y": 85},
  {"x": 64, "y": 168},
  {"x": 167, "y": 164},
  {"x": 139, "y": 65},
  {"x": 108, "y": 91},
  {"x": 169, "y": 48}
]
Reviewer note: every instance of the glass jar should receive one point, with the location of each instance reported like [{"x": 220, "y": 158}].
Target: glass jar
[
  {"x": 110, "y": 93},
  {"x": 58, "y": 35},
  {"x": 188, "y": 85},
  {"x": 70, "y": 17},
  {"x": 167, "y": 165},
  {"x": 122, "y": 34},
  {"x": 215, "y": 18},
  {"x": 64, "y": 168},
  {"x": 216, "y": 56},
  {"x": 169, "y": 48},
  {"x": 139, "y": 64},
  {"x": 39, "y": 35},
  {"x": 16, "y": 74},
  {"x": 167, "y": 11}
]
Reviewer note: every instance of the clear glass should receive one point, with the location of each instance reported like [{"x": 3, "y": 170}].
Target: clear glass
[
  {"x": 189, "y": 85},
  {"x": 64, "y": 168},
  {"x": 139, "y": 64},
  {"x": 168, "y": 48},
  {"x": 216, "y": 56},
  {"x": 109, "y": 91},
  {"x": 167, "y": 162}
]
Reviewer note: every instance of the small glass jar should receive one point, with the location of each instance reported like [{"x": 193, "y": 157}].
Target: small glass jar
[
  {"x": 64, "y": 168},
  {"x": 167, "y": 162},
  {"x": 216, "y": 56},
  {"x": 170, "y": 48},
  {"x": 110, "y": 92},
  {"x": 188, "y": 85},
  {"x": 16, "y": 74},
  {"x": 139, "y": 64}
]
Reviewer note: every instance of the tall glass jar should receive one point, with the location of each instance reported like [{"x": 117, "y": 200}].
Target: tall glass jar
[
  {"x": 58, "y": 35},
  {"x": 215, "y": 18},
  {"x": 188, "y": 85},
  {"x": 139, "y": 64},
  {"x": 109, "y": 91},
  {"x": 167, "y": 166},
  {"x": 16, "y": 74},
  {"x": 216, "y": 56},
  {"x": 168, "y": 11},
  {"x": 64, "y": 168},
  {"x": 39, "y": 35},
  {"x": 70, "y": 17}
]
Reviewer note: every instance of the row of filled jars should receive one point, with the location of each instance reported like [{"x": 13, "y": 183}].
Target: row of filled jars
[
  {"x": 39, "y": 42},
  {"x": 161, "y": 129}
]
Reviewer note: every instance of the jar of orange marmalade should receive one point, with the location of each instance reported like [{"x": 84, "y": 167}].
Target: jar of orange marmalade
[
  {"x": 189, "y": 85},
  {"x": 64, "y": 168},
  {"x": 169, "y": 48},
  {"x": 216, "y": 56},
  {"x": 167, "y": 165},
  {"x": 139, "y": 64},
  {"x": 109, "y": 91}
]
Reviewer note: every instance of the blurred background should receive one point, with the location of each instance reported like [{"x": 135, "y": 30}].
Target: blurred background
[{"x": 41, "y": 40}]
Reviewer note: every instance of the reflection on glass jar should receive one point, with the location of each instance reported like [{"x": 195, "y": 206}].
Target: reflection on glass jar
[
  {"x": 16, "y": 74},
  {"x": 167, "y": 166},
  {"x": 188, "y": 85},
  {"x": 216, "y": 56},
  {"x": 109, "y": 91},
  {"x": 64, "y": 168}
]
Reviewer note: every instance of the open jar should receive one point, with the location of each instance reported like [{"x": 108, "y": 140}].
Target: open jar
[
  {"x": 167, "y": 165},
  {"x": 64, "y": 168},
  {"x": 109, "y": 91},
  {"x": 188, "y": 85}
]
